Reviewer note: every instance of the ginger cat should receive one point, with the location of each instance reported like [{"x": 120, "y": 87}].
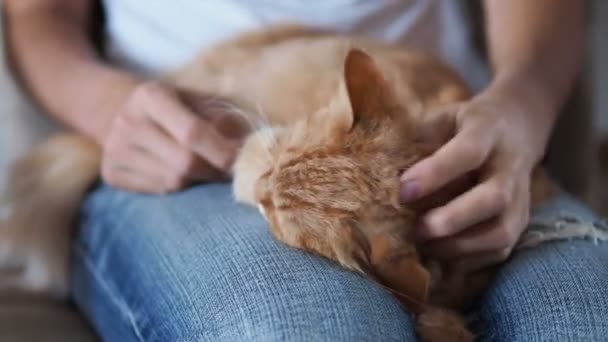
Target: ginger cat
[{"x": 333, "y": 126}]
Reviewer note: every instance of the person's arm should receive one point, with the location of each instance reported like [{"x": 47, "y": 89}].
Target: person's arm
[
  {"x": 151, "y": 140},
  {"x": 56, "y": 60},
  {"x": 536, "y": 46},
  {"x": 502, "y": 133}
]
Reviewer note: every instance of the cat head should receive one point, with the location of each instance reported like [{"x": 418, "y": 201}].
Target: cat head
[
  {"x": 343, "y": 161},
  {"x": 329, "y": 183}
]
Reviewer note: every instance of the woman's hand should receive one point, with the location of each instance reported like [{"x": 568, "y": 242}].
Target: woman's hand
[
  {"x": 152, "y": 141},
  {"x": 158, "y": 144},
  {"x": 501, "y": 135}
]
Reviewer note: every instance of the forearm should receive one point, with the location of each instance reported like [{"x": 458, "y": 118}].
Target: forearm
[
  {"x": 55, "y": 59},
  {"x": 535, "y": 50}
]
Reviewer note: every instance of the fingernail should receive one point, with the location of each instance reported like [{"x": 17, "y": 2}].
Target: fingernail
[{"x": 409, "y": 191}]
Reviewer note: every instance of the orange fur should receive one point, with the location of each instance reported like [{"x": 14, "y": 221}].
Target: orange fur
[
  {"x": 333, "y": 124},
  {"x": 43, "y": 195}
]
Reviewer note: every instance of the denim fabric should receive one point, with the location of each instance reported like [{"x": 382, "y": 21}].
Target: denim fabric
[
  {"x": 561, "y": 218},
  {"x": 195, "y": 266}
]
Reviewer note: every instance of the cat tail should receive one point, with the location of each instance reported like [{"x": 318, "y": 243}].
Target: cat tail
[
  {"x": 435, "y": 324},
  {"x": 43, "y": 194}
]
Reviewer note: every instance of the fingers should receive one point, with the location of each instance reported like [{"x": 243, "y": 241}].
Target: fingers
[
  {"x": 185, "y": 163},
  {"x": 157, "y": 144},
  {"x": 130, "y": 180},
  {"x": 486, "y": 237},
  {"x": 140, "y": 157},
  {"x": 477, "y": 261},
  {"x": 497, "y": 234},
  {"x": 482, "y": 225},
  {"x": 187, "y": 128},
  {"x": 134, "y": 170},
  {"x": 465, "y": 152},
  {"x": 485, "y": 201}
]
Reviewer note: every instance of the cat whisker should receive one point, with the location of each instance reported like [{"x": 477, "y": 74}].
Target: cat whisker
[
  {"x": 265, "y": 130},
  {"x": 257, "y": 121},
  {"x": 263, "y": 116},
  {"x": 254, "y": 121},
  {"x": 222, "y": 104}
]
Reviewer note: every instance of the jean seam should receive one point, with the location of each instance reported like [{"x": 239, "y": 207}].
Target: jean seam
[{"x": 116, "y": 299}]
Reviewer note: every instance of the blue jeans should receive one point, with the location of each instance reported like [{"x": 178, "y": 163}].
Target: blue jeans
[{"x": 195, "y": 266}]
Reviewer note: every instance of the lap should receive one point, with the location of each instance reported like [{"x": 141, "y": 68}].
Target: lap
[
  {"x": 196, "y": 266},
  {"x": 556, "y": 291}
]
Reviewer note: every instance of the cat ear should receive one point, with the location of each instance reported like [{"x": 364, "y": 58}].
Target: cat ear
[{"x": 369, "y": 93}]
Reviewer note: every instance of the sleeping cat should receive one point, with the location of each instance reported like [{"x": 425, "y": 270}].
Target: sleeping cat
[{"x": 333, "y": 123}]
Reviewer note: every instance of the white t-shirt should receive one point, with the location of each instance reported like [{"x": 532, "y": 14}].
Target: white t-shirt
[{"x": 157, "y": 35}]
